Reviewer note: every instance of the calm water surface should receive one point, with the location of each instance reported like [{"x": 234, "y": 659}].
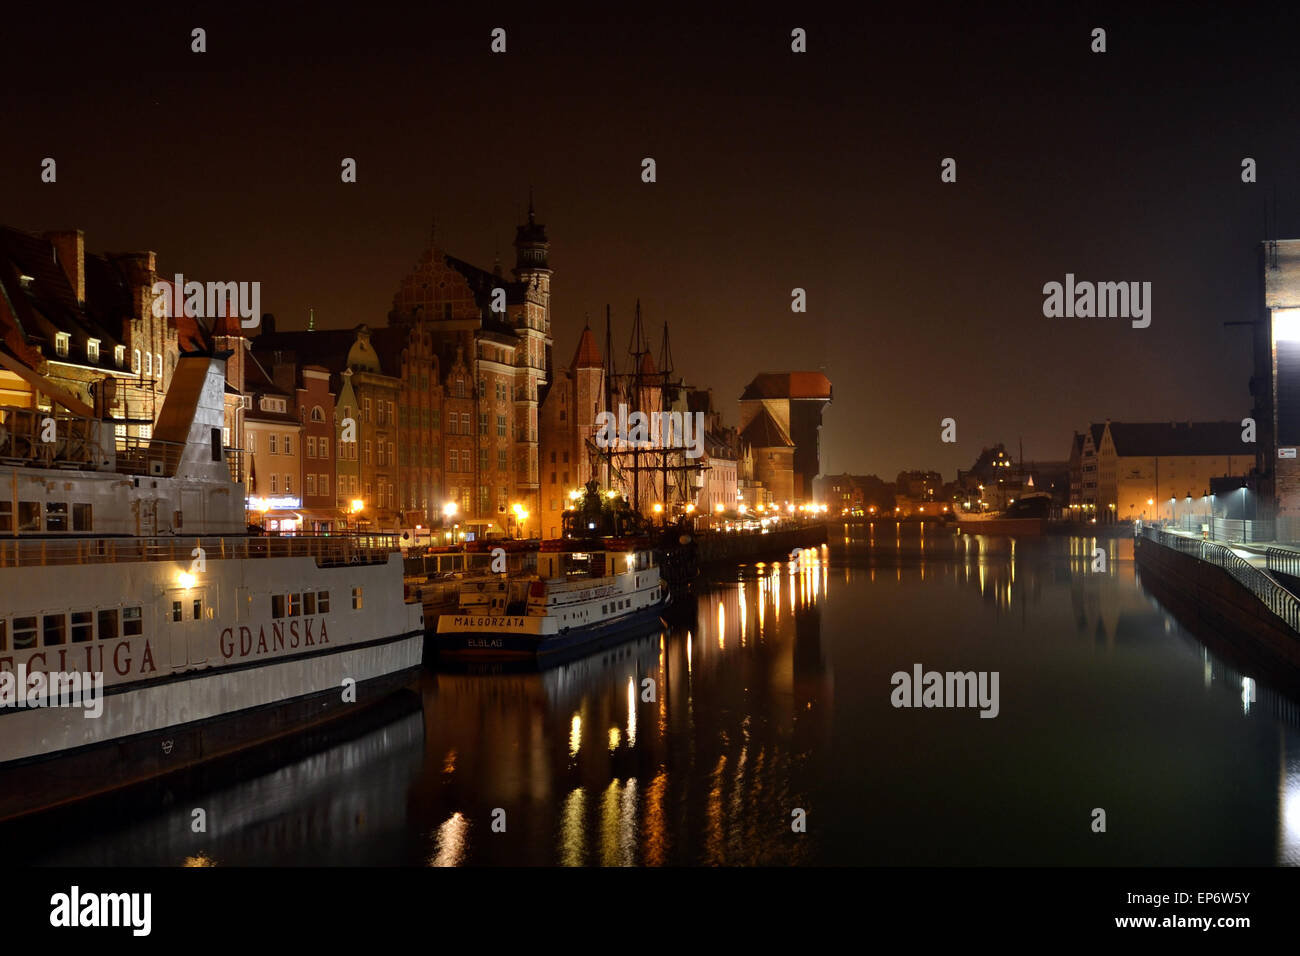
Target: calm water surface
[{"x": 773, "y": 694}]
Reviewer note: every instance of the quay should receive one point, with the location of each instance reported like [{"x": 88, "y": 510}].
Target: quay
[{"x": 1246, "y": 594}]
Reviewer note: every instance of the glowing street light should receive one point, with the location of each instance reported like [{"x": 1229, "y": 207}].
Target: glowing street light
[
  {"x": 449, "y": 510},
  {"x": 358, "y": 505}
]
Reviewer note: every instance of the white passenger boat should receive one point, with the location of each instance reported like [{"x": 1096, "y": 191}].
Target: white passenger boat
[
  {"x": 133, "y": 569},
  {"x": 585, "y": 595}
]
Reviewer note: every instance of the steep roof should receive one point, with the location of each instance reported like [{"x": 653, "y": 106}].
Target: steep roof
[
  {"x": 588, "y": 353},
  {"x": 764, "y": 432},
  {"x": 788, "y": 385},
  {"x": 1178, "y": 438}
]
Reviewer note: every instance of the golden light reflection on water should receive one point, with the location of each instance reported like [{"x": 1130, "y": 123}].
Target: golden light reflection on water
[
  {"x": 450, "y": 842},
  {"x": 631, "y": 710},
  {"x": 199, "y": 859},
  {"x": 575, "y": 735},
  {"x": 722, "y": 627},
  {"x": 614, "y": 737},
  {"x": 573, "y": 832},
  {"x": 618, "y": 824}
]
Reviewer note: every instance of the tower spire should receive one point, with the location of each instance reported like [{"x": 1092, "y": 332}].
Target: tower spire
[
  {"x": 530, "y": 204},
  {"x": 311, "y": 320}
]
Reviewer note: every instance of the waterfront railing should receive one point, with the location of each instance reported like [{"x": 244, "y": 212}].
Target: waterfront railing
[{"x": 1273, "y": 595}]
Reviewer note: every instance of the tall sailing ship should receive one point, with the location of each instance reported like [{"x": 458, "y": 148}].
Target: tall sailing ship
[{"x": 144, "y": 630}]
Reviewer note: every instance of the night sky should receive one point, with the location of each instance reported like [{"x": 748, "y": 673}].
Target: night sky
[{"x": 775, "y": 170}]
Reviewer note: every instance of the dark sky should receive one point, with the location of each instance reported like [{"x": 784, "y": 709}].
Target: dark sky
[{"x": 776, "y": 170}]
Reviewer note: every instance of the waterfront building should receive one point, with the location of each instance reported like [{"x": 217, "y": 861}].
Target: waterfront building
[
  {"x": 80, "y": 332},
  {"x": 719, "y": 485},
  {"x": 1149, "y": 470},
  {"x": 780, "y": 418},
  {"x": 500, "y": 333},
  {"x": 568, "y": 430}
]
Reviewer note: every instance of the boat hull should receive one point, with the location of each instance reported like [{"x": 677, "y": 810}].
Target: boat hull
[
  {"x": 505, "y": 643},
  {"x": 257, "y": 705}
]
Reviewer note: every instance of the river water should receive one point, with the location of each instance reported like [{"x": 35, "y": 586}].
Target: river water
[{"x": 760, "y": 728}]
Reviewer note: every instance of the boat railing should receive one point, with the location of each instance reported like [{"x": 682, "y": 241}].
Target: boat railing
[{"x": 334, "y": 550}]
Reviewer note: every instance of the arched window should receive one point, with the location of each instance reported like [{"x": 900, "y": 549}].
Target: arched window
[{"x": 317, "y": 413}]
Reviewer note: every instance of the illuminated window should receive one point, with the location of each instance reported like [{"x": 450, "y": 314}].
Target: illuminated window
[{"x": 61, "y": 340}]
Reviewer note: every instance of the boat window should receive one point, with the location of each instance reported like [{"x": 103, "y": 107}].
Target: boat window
[
  {"x": 323, "y": 602},
  {"x": 132, "y": 622},
  {"x": 604, "y": 609},
  {"x": 24, "y": 633},
  {"x": 176, "y": 611},
  {"x": 4, "y": 634},
  {"x": 295, "y": 605},
  {"x": 29, "y": 516},
  {"x": 83, "y": 626},
  {"x": 6, "y": 516},
  {"x": 198, "y": 608},
  {"x": 55, "y": 629},
  {"x": 108, "y": 624},
  {"x": 309, "y": 603},
  {"x": 81, "y": 517},
  {"x": 277, "y": 605},
  {"x": 356, "y": 599},
  {"x": 56, "y": 516}
]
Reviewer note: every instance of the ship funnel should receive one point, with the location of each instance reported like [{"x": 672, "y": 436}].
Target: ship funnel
[{"x": 187, "y": 438}]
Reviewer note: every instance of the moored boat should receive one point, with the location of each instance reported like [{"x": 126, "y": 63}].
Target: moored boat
[
  {"x": 585, "y": 595},
  {"x": 143, "y": 630}
]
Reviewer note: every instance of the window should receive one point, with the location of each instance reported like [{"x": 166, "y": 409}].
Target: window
[
  {"x": 132, "y": 622},
  {"x": 176, "y": 612},
  {"x": 311, "y": 446},
  {"x": 382, "y": 458},
  {"x": 92, "y": 350},
  {"x": 356, "y": 599},
  {"x": 6, "y": 517},
  {"x": 251, "y": 437},
  {"x": 24, "y": 633},
  {"x": 288, "y": 444},
  {"x": 566, "y": 457},
  {"x": 196, "y": 607},
  {"x": 108, "y": 624},
  {"x": 4, "y": 635},
  {"x": 145, "y": 431},
  {"x": 288, "y": 484},
  {"x": 391, "y": 419},
  {"x": 365, "y": 410},
  {"x": 275, "y": 489},
  {"x": 501, "y": 426},
  {"x": 483, "y": 460},
  {"x": 148, "y": 363},
  {"x": 135, "y": 361},
  {"x": 383, "y": 418},
  {"x": 294, "y": 605},
  {"x": 272, "y": 443},
  {"x": 367, "y": 451},
  {"x": 61, "y": 340},
  {"x": 435, "y": 416},
  {"x": 324, "y": 447},
  {"x": 391, "y": 459},
  {"x": 308, "y": 603},
  {"x": 324, "y": 484},
  {"x": 460, "y": 383},
  {"x": 56, "y": 516},
  {"x": 29, "y": 516},
  {"x": 55, "y": 630},
  {"x": 311, "y": 485},
  {"x": 323, "y": 602},
  {"x": 502, "y": 462},
  {"x": 317, "y": 413},
  {"x": 157, "y": 364},
  {"x": 277, "y": 605},
  {"x": 119, "y": 355}
]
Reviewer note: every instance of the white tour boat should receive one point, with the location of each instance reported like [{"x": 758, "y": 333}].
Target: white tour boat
[
  {"x": 585, "y": 594},
  {"x": 132, "y": 569}
]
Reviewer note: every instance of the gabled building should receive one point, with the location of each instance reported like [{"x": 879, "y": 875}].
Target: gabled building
[
  {"x": 77, "y": 331},
  {"x": 780, "y": 417}
]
